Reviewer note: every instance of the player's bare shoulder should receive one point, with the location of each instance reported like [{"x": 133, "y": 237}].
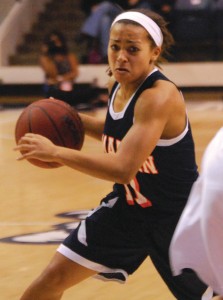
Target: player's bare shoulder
[
  {"x": 164, "y": 95},
  {"x": 152, "y": 98},
  {"x": 163, "y": 103}
]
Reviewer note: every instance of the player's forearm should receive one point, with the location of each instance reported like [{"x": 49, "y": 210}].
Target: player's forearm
[
  {"x": 92, "y": 126},
  {"x": 103, "y": 166}
]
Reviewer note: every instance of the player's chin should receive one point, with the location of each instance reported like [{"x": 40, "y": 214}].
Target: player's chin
[{"x": 122, "y": 78}]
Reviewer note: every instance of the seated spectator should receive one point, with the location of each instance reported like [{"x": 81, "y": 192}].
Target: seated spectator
[
  {"x": 88, "y": 6},
  {"x": 139, "y": 4},
  {"x": 60, "y": 67},
  {"x": 164, "y": 8},
  {"x": 95, "y": 29}
]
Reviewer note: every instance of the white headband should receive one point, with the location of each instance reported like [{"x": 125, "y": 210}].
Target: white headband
[{"x": 151, "y": 27}]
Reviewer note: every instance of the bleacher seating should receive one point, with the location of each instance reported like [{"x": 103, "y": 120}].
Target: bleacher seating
[
  {"x": 217, "y": 17},
  {"x": 197, "y": 29},
  {"x": 192, "y": 20},
  {"x": 65, "y": 16},
  {"x": 193, "y": 30}
]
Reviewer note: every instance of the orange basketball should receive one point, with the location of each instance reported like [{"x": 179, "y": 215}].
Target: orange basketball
[{"x": 54, "y": 119}]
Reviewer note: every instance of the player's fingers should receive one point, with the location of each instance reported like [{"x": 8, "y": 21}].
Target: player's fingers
[
  {"x": 33, "y": 135},
  {"x": 26, "y": 139},
  {"x": 24, "y": 147},
  {"x": 24, "y": 155},
  {"x": 32, "y": 138},
  {"x": 29, "y": 134},
  {"x": 21, "y": 157}
]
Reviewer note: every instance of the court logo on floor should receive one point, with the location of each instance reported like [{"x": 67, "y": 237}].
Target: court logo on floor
[{"x": 55, "y": 235}]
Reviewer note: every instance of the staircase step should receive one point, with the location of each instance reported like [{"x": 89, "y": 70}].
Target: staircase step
[
  {"x": 25, "y": 59},
  {"x": 65, "y": 16}
]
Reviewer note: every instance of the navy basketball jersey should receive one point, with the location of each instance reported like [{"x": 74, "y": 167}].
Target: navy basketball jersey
[{"x": 164, "y": 180}]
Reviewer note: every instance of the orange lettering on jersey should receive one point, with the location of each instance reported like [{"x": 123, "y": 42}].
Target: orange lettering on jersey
[
  {"x": 140, "y": 199},
  {"x": 110, "y": 144},
  {"x": 104, "y": 138},
  {"x": 149, "y": 166},
  {"x": 128, "y": 195},
  {"x": 134, "y": 195},
  {"x": 132, "y": 190}
]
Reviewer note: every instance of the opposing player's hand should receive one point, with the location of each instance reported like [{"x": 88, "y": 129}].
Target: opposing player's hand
[{"x": 36, "y": 146}]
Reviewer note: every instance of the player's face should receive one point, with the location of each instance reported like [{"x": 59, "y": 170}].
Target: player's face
[{"x": 130, "y": 53}]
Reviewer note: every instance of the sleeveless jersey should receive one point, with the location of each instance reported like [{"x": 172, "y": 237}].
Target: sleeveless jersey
[
  {"x": 63, "y": 67},
  {"x": 164, "y": 181}
]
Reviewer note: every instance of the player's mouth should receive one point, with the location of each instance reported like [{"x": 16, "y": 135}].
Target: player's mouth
[{"x": 121, "y": 70}]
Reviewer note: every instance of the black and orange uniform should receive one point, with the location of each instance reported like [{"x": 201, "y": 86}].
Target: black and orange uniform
[{"x": 137, "y": 220}]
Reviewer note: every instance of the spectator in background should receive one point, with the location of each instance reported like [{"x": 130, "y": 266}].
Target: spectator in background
[
  {"x": 88, "y": 5},
  {"x": 60, "y": 67},
  {"x": 164, "y": 8},
  {"x": 96, "y": 27},
  {"x": 139, "y": 4}
]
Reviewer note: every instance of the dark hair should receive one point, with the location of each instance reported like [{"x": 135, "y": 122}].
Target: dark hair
[
  {"x": 52, "y": 47},
  {"x": 56, "y": 33},
  {"x": 168, "y": 40}
]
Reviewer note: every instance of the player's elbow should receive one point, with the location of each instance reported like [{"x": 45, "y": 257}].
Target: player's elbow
[
  {"x": 123, "y": 169},
  {"x": 125, "y": 176}
]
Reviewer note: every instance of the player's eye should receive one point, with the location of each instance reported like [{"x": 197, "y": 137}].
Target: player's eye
[
  {"x": 114, "y": 47},
  {"x": 133, "y": 49}
]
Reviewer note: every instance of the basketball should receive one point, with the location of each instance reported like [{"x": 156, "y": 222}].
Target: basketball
[{"x": 54, "y": 119}]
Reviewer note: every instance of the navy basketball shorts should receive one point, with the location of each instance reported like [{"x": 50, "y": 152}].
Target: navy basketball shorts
[{"x": 116, "y": 238}]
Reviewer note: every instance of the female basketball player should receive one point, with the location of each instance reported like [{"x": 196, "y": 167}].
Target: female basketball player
[
  {"x": 150, "y": 157},
  {"x": 197, "y": 242}
]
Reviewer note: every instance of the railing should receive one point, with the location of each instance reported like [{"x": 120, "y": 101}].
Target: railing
[
  {"x": 5, "y": 7},
  {"x": 203, "y": 74}
]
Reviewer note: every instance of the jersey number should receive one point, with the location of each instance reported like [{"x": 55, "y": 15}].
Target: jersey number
[{"x": 133, "y": 194}]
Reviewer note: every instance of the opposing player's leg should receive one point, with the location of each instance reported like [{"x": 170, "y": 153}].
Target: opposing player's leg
[
  {"x": 185, "y": 286},
  {"x": 59, "y": 275}
]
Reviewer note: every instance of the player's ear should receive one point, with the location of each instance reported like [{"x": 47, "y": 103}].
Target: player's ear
[{"x": 156, "y": 53}]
